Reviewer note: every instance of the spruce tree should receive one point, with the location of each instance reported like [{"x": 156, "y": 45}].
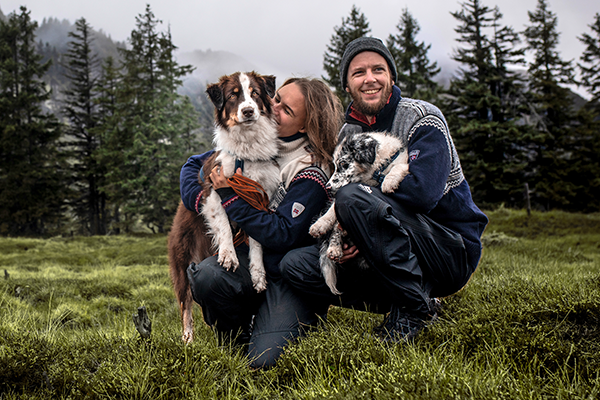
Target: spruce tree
[
  {"x": 32, "y": 181},
  {"x": 590, "y": 61},
  {"x": 551, "y": 102},
  {"x": 156, "y": 118},
  {"x": 488, "y": 143},
  {"x": 352, "y": 27},
  {"x": 415, "y": 71},
  {"x": 587, "y": 171},
  {"x": 110, "y": 155},
  {"x": 81, "y": 111}
]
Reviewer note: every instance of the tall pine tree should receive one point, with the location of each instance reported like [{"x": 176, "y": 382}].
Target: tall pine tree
[
  {"x": 156, "y": 118},
  {"x": 81, "y": 111},
  {"x": 415, "y": 71},
  {"x": 587, "y": 174},
  {"x": 488, "y": 143},
  {"x": 551, "y": 101},
  {"x": 32, "y": 182},
  {"x": 590, "y": 61},
  {"x": 353, "y": 27}
]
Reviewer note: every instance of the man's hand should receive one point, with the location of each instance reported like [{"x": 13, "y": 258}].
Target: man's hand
[{"x": 349, "y": 253}]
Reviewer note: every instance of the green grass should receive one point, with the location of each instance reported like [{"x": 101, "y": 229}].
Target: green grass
[{"x": 527, "y": 326}]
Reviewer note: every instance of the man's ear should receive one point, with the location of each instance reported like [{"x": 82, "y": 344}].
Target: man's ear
[
  {"x": 347, "y": 90},
  {"x": 215, "y": 93}
]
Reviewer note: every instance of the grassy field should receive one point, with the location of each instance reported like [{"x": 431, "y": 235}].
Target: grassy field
[{"x": 527, "y": 326}]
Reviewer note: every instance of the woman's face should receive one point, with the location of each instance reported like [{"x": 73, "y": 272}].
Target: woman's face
[{"x": 290, "y": 112}]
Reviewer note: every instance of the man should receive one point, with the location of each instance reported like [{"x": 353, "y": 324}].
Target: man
[{"x": 421, "y": 242}]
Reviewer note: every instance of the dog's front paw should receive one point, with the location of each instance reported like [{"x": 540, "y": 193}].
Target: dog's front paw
[
  {"x": 259, "y": 280},
  {"x": 228, "y": 259}
]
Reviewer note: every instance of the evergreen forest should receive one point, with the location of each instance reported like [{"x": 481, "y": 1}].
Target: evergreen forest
[{"x": 93, "y": 133}]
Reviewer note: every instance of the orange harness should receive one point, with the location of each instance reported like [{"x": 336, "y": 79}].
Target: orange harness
[{"x": 253, "y": 193}]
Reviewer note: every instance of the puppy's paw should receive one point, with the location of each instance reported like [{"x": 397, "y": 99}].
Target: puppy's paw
[
  {"x": 389, "y": 185},
  {"x": 228, "y": 259},
  {"x": 319, "y": 228},
  {"x": 334, "y": 252}
]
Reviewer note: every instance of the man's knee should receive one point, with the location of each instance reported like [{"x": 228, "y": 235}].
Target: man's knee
[{"x": 346, "y": 198}]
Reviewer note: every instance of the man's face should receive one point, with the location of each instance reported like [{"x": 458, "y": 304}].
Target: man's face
[{"x": 369, "y": 82}]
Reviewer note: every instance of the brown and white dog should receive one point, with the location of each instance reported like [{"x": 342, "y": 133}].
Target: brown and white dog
[
  {"x": 245, "y": 129},
  {"x": 360, "y": 158}
]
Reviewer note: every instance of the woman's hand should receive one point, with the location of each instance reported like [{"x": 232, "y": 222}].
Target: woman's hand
[{"x": 218, "y": 179}]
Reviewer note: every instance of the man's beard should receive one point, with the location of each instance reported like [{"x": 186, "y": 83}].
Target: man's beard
[{"x": 370, "y": 109}]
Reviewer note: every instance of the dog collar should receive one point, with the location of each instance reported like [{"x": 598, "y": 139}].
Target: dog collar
[{"x": 378, "y": 175}]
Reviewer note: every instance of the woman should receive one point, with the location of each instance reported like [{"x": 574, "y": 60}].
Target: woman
[{"x": 309, "y": 117}]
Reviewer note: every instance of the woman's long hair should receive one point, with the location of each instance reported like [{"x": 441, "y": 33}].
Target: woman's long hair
[{"x": 324, "y": 116}]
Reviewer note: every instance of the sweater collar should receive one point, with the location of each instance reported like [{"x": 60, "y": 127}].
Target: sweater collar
[
  {"x": 383, "y": 120},
  {"x": 294, "y": 137}
]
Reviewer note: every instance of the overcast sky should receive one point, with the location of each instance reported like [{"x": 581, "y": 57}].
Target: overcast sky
[{"x": 289, "y": 38}]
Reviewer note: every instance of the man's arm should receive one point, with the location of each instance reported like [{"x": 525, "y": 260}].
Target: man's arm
[{"x": 429, "y": 167}]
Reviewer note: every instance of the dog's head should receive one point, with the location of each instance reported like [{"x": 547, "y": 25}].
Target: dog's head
[
  {"x": 241, "y": 98},
  {"x": 354, "y": 160}
]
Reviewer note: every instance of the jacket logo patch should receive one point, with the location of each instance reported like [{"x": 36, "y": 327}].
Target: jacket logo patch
[
  {"x": 413, "y": 155},
  {"x": 365, "y": 188},
  {"x": 297, "y": 209}
]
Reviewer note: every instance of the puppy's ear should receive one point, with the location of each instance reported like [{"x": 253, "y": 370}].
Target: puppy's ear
[
  {"x": 269, "y": 84},
  {"x": 215, "y": 93},
  {"x": 365, "y": 150}
]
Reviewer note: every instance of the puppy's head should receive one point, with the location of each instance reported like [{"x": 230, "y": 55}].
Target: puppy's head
[
  {"x": 354, "y": 160},
  {"x": 241, "y": 98}
]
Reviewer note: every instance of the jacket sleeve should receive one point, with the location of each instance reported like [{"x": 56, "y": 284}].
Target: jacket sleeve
[
  {"x": 429, "y": 167},
  {"x": 287, "y": 227},
  {"x": 190, "y": 188}
]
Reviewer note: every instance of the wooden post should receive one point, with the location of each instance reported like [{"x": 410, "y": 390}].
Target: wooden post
[{"x": 527, "y": 199}]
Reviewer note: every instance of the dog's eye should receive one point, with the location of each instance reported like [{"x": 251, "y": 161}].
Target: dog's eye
[
  {"x": 343, "y": 165},
  {"x": 255, "y": 94},
  {"x": 232, "y": 96}
]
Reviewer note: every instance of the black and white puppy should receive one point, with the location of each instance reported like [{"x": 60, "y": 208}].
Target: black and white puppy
[{"x": 374, "y": 158}]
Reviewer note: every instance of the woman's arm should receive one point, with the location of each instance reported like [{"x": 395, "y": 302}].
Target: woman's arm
[
  {"x": 190, "y": 188},
  {"x": 287, "y": 227}
]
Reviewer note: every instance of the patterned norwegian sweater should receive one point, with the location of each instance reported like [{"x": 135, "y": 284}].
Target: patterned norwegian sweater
[
  {"x": 435, "y": 185},
  {"x": 300, "y": 197}
]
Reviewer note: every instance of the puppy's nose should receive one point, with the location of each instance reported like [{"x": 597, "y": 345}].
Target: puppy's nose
[
  {"x": 248, "y": 112},
  {"x": 328, "y": 186}
]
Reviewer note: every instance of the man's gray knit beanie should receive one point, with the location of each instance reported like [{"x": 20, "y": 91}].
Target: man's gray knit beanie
[{"x": 365, "y": 44}]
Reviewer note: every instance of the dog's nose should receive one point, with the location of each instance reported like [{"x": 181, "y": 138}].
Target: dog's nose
[{"x": 248, "y": 112}]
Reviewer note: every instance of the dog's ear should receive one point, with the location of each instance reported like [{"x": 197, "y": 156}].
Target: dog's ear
[
  {"x": 365, "y": 149},
  {"x": 269, "y": 84},
  {"x": 215, "y": 93}
]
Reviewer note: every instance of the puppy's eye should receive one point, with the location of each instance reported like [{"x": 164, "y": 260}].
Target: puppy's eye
[{"x": 343, "y": 165}]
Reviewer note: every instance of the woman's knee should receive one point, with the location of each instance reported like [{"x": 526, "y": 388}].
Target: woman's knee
[
  {"x": 210, "y": 280},
  {"x": 297, "y": 265}
]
